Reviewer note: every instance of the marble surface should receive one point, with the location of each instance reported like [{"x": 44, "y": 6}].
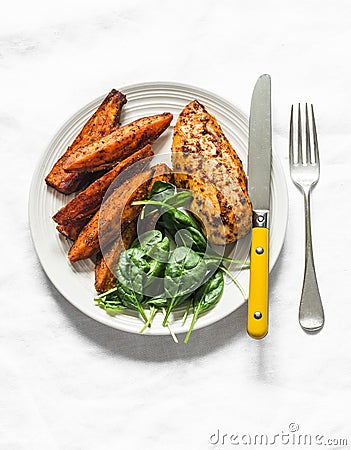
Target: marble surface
[{"x": 67, "y": 382}]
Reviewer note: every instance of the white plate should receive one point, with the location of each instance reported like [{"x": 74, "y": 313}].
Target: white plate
[{"x": 76, "y": 281}]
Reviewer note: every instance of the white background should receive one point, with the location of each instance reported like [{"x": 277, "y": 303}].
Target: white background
[{"x": 67, "y": 382}]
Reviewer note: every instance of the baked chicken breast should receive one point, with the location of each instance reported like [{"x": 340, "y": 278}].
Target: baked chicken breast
[{"x": 205, "y": 163}]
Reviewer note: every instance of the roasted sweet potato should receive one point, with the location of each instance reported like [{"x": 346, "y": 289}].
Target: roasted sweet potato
[
  {"x": 87, "y": 202},
  {"x": 102, "y": 122},
  {"x": 87, "y": 243},
  {"x": 116, "y": 210},
  {"x": 104, "y": 278},
  {"x": 118, "y": 145},
  {"x": 72, "y": 230}
]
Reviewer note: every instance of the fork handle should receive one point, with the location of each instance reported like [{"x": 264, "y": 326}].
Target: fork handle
[{"x": 311, "y": 314}]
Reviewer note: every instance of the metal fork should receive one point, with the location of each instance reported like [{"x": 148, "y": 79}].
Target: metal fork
[{"x": 304, "y": 171}]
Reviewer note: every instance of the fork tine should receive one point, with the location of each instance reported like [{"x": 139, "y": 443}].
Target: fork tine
[
  {"x": 308, "y": 141},
  {"x": 316, "y": 149},
  {"x": 291, "y": 137},
  {"x": 299, "y": 137}
]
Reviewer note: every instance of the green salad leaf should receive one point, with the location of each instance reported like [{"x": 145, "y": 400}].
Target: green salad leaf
[
  {"x": 151, "y": 277},
  {"x": 206, "y": 297},
  {"x": 184, "y": 270}
]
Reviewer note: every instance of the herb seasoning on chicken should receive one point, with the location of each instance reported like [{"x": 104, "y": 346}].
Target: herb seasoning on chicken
[{"x": 205, "y": 163}]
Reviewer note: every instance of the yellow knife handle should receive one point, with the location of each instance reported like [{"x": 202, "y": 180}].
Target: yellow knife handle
[{"x": 257, "y": 321}]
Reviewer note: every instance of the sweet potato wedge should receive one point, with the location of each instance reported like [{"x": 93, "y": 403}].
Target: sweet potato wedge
[
  {"x": 104, "y": 278},
  {"x": 72, "y": 229},
  {"x": 118, "y": 145},
  {"x": 103, "y": 121},
  {"x": 87, "y": 243},
  {"x": 87, "y": 202},
  {"x": 116, "y": 210}
]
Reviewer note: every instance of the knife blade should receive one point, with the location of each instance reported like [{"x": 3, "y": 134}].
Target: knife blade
[{"x": 259, "y": 180}]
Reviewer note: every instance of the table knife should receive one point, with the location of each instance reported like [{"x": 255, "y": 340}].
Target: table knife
[{"x": 259, "y": 180}]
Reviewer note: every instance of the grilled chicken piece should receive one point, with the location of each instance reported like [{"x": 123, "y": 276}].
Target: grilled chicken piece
[
  {"x": 118, "y": 145},
  {"x": 205, "y": 163},
  {"x": 87, "y": 202},
  {"x": 116, "y": 210},
  {"x": 103, "y": 121}
]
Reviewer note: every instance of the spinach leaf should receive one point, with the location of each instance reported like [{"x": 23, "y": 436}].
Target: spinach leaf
[
  {"x": 184, "y": 270},
  {"x": 141, "y": 267},
  {"x": 161, "y": 187},
  {"x": 179, "y": 199},
  {"x": 206, "y": 297},
  {"x": 157, "y": 260},
  {"x": 156, "y": 249},
  {"x": 158, "y": 257},
  {"x": 131, "y": 299},
  {"x": 174, "y": 221},
  {"x": 165, "y": 192},
  {"x": 160, "y": 191},
  {"x": 147, "y": 240},
  {"x": 209, "y": 294},
  {"x": 151, "y": 276},
  {"x": 158, "y": 302},
  {"x": 179, "y": 219},
  {"x": 131, "y": 277},
  {"x": 110, "y": 302},
  {"x": 132, "y": 268}
]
